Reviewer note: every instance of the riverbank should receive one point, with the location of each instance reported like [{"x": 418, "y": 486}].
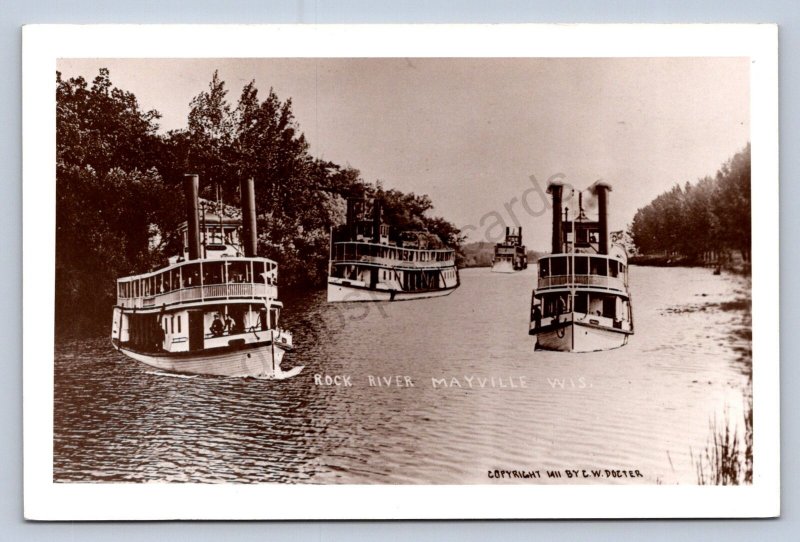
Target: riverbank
[
  {"x": 736, "y": 265},
  {"x": 727, "y": 457}
]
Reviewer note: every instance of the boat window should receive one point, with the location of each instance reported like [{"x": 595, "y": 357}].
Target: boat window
[
  {"x": 597, "y": 266},
  {"x": 191, "y": 275},
  {"x": 581, "y": 265},
  {"x": 179, "y": 323},
  {"x": 613, "y": 268},
  {"x": 172, "y": 325},
  {"x": 212, "y": 272},
  {"x": 544, "y": 268},
  {"x": 581, "y": 301},
  {"x": 237, "y": 271},
  {"x": 558, "y": 266},
  {"x": 259, "y": 272}
]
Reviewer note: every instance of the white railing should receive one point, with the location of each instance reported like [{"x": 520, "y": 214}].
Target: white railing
[
  {"x": 389, "y": 262},
  {"x": 202, "y": 293},
  {"x": 616, "y": 283}
]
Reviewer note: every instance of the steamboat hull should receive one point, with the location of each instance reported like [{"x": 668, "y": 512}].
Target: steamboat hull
[
  {"x": 261, "y": 361},
  {"x": 342, "y": 293},
  {"x": 578, "y": 337},
  {"x": 503, "y": 267}
]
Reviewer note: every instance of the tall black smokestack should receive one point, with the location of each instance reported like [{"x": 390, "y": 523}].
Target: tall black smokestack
[
  {"x": 555, "y": 189},
  {"x": 376, "y": 221},
  {"x": 601, "y": 190},
  {"x": 249, "y": 230},
  {"x": 353, "y": 209},
  {"x": 191, "y": 185}
]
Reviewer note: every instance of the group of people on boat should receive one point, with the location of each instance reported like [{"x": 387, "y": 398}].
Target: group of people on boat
[{"x": 218, "y": 328}]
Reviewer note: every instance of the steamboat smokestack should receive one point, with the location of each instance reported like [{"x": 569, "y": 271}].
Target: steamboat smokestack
[
  {"x": 376, "y": 221},
  {"x": 555, "y": 189},
  {"x": 354, "y": 208},
  {"x": 191, "y": 185},
  {"x": 601, "y": 190},
  {"x": 249, "y": 230}
]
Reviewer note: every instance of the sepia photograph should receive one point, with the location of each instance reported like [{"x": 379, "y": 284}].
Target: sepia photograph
[{"x": 487, "y": 271}]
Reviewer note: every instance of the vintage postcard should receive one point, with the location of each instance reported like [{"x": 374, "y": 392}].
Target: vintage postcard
[{"x": 345, "y": 272}]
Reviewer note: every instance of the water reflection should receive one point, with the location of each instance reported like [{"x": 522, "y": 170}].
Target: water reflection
[{"x": 645, "y": 406}]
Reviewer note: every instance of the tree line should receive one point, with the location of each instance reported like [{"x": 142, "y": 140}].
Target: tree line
[
  {"x": 119, "y": 198},
  {"x": 707, "y": 219}
]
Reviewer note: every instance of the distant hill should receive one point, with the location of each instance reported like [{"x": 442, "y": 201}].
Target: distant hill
[{"x": 480, "y": 254}]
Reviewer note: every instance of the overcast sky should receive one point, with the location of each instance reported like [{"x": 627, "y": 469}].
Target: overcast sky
[{"x": 470, "y": 133}]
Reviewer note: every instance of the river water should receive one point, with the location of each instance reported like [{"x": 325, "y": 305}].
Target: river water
[{"x": 647, "y": 406}]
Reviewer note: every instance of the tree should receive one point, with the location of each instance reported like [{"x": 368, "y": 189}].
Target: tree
[{"x": 110, "y": 198}]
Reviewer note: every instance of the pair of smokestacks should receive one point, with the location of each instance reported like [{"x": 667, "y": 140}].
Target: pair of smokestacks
[
  {"x": 191, "y": 186},
  {"x": 599, "y": 189}
]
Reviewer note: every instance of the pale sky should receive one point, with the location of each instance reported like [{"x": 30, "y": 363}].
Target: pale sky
[{"x": 471, "y": 132}]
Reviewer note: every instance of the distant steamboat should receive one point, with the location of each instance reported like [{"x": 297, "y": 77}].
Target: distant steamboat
[
  {"x": 510, "y": 255},
  {"x": 366, "y": 265},
  {"x": 214, "y": 309},
  {"x": 582, "y": 302}
]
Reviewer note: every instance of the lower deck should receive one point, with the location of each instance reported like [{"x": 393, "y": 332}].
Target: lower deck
[
  {"x": 580, "y": 320},
  {"x": 183, "y": 331},
  {"x": 404, "y": 282}
]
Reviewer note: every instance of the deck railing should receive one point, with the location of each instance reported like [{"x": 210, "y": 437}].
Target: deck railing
[
  {"x": 201, "y": 293},
  {"x": 602, "y": 281},
  {"x": 389, "y": 262}
]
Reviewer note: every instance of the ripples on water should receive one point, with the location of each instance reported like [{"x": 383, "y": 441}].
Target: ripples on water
[{"x": 643, "y": 406}]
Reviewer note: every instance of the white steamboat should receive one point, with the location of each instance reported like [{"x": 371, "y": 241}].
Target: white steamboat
[
  {"x": 367, "y": 265},
  {"x": 214, "y": 309},
  {"x": 582, "y": 302},
  {"x": 510, "y": 255}
]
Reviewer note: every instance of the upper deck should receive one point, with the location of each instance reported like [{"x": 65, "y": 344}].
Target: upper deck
[
  {"x": 605, "y": 272},
  {"x": 382, "y": 255},
  {"x": 200, "y": 280}
]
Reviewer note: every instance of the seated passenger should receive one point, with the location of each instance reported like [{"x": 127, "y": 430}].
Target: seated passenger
[{"x": 216, "y": 326}]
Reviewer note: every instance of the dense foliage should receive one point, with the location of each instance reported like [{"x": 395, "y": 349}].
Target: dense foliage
[
  {"x": 119, "y": 198},
  {"x": 710, "y": 216}
]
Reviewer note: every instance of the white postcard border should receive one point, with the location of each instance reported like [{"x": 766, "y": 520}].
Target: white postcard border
[{"x": 44, "y": 499}]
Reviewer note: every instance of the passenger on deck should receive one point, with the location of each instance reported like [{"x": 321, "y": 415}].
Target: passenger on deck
[
  {"x": 216, "y": 326},
  {"x": 537, "y": 317},
  {"x": 230, "y": 324}
]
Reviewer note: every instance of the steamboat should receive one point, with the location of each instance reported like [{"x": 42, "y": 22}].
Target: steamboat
[
  {"x": 510, "y": 255},
  {"x": 582, "y": 302},
  {"x": 369, "y": 262},
  {"x": 213, "y": 309}
]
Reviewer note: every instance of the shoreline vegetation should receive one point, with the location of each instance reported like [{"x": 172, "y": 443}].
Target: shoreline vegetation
[
  {"x": 119, "y": 199},
  {"x": 702, "y": 224},
  {"x": 727, "y": 458}
]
